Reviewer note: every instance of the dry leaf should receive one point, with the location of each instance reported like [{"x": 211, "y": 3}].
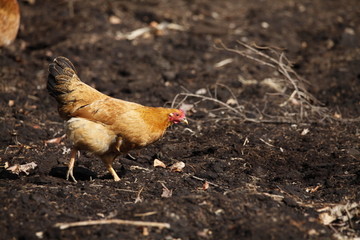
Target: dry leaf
[
  {"x": 114, "y": 20},
  {"x": 177, "y": 167},
  {"x": 341, "y": 213},
  {"x": 186, "y": 107},
  {"x": 55, "y": 140},
  {"x": 205, "y": 185},
  {"x": 305, "y": 131},
  {"x": 275, "y": 84},
  {"x": 326, "y": 218},
  {"x": 145, "y": 231},
  {"x": 158, "y": 163},
  {"x": 25, "y": 168},
  {"x": 201, "y": 91},
  {"x": 11, "y": 103},
  {"x": 231, "y": 101},
  {"x": 337, "y": 115},
  {"x": 6, "y": 165},
  {"x": 223, "y": 62},
  {"x": 166, "y": 192}
]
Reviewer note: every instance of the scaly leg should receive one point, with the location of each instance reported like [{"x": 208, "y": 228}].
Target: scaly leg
[
  {"x": 108, "y": 160},
  {"x": 71, "y": 165}
]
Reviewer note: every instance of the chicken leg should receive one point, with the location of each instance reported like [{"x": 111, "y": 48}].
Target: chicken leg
[
  {"x": 108, "y": 160},
  {"x": 71, "y": 165}
]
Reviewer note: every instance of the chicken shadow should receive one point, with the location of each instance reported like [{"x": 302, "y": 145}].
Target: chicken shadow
[
  {"x": 8, "y": 175},
  {"x": 82, "y": 174}
]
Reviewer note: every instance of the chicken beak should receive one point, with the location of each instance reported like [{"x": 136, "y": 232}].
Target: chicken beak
[{"x": 185, "y": 121}]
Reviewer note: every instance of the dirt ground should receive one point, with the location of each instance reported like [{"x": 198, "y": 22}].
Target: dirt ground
[{"x": 295, "y": 179}]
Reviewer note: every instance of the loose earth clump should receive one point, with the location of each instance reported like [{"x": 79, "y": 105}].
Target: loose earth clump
[{"x": 265, "y": 157}]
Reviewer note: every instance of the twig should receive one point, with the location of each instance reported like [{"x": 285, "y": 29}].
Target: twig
[
  {"x": 138, "y": 197},
  {"x": 201, "y": 179},
  {"x": 211, "y": 99},
  {"x": 112, "y": 221},
  {"x": 270, "y": 145},
  {"x": 145, "y": 214},
  {"x": 280, "y": 63},
  {"x": 349, "y": 217}
]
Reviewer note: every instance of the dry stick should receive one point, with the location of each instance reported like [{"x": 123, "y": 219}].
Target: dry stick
[
  {"x": 285, "y": 69},
  {"x": 210, "y": 99},
  {"x": 227, "y": 106},
  {"x": 232, "y": 94},
  {"x": 283, "y": 66},
  {"x": 138, "y": 198},
  {"x": 269, "y": 144},
  {"x": 248, "y": 56},
  {"x": 112, "y": 221},
  {"x": 286, "y": 74},
  {"x": 201, "y": 179},
  {"x": 349, "y": 217}
]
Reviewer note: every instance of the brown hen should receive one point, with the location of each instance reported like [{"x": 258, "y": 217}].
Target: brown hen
[
  {"x": 9, "y": 21},
  {"x": 100, "y": 124}
]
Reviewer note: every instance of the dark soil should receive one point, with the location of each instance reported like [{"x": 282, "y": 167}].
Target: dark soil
[{"x": 267, "y": 180}]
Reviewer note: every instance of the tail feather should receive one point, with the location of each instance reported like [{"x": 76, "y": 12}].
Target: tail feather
[
  {"x": 68, "y": 90},
  {"x": 60, "y": 71}
]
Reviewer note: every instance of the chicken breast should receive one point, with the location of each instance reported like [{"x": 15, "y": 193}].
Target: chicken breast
[{"x": 90, "y": 136}]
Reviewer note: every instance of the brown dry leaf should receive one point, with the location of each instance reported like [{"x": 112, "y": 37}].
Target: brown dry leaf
[
  {"x": 205, "y": 233},
  {"x": 177, "y": 167},
  {"x": 55, "y": 140},
  {"x": 231, "y": 101},
  {"x": 158, "y": 163},
  {"x": 205, "y": 186},
  {"x": 166, "y": 192},
  {"x": 145, "y": 231},
  {"x": 337, "y": 115},
  {"x": 326, "y": 218},
  {"x": 6, "y": 165},
  {"x": 186, "y": 107},
  {"x": 341, "y": 213},
  {"x": 11, "y": 103},
  {"x": 305, "y": 131},
  {"x": 114, "y": 20},
  {"x": 25, "y": 168}
]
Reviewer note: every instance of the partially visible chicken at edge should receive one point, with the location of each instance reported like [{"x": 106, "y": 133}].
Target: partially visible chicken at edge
[{"x": 9, "y": 21}]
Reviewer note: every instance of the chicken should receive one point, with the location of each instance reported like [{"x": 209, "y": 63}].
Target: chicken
[
  {"x": 9, "y": 21},
  {"x": 103, "y": 125}
]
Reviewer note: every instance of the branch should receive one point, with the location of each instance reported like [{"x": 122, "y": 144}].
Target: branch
[{"x": 112, "y": 221}]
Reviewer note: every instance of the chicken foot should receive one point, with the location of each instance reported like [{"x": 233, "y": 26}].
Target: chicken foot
[{"x": 71, "y": 165}]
